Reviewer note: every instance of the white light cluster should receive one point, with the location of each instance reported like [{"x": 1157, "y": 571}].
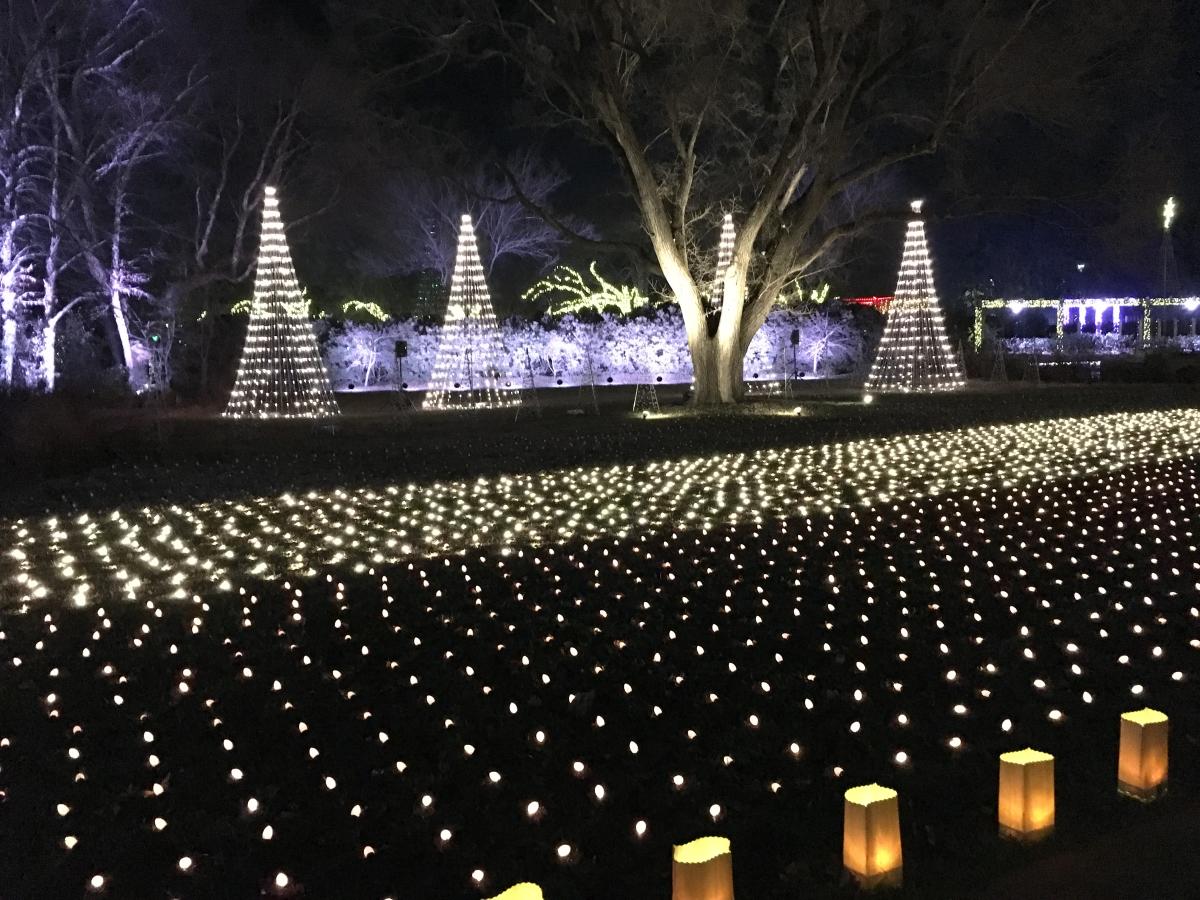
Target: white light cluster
[
  {"x": 176, "y": 550},
  {"x": 470, "y": 369},
  {"x": 914, "y": 353},
  {"x": 724, "y": 258},
  {"x": 280, "y": 375}
]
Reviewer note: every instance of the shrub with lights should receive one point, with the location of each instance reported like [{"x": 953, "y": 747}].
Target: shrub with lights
[{"x": 623, "y": 350}]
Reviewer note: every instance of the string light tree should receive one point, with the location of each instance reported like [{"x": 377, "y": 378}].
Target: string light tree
[
  {"x": 280, "y": 374},
  {"x": 716, "y": 299},
  {"x": 724, "y": 258},
  {"x": 466, "y": 371},
  {"x": 914, "y": 353},
  {"x": 1170, "y": 272}
]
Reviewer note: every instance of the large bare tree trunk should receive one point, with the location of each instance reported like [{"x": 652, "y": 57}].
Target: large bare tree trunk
[
  {"x": 49, "y": 357},
  {"x": 8, "y": 309},
  {"x": 717, "y": 365},
  {"x": 117, "y": 302},
  {"x": 115, "y": 298},
  {"x": 704, "y": 369},
  {"x": 730, "y": 358},
  {"x": 8, "y": 345},
  {"x": 718, "y": 358}
]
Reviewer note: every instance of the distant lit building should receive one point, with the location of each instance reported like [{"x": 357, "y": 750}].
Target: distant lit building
[{"x": 1115, "y": 324}]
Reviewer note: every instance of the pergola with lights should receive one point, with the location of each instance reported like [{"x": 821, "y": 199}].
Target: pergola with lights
[{"x": 1177, "y": 316}]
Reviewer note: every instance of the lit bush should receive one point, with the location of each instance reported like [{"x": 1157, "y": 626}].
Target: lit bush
[{"x": 647, "y": 346}]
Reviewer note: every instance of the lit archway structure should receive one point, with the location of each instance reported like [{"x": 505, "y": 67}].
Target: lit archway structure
[{"x": 1157, "y": 319}]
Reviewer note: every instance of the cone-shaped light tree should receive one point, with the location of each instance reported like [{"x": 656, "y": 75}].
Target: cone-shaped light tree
[
  {"x": 470, "y": 369},
  {"x": 280, "y": 375},
  {"x": 914, "y": 353}
]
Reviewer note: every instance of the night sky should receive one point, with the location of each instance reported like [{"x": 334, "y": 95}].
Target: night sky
[{"x": 1014, "y": 207}]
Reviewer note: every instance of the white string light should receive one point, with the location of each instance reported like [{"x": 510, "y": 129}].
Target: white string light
[
  {"x": 171, "y": 550},
  {"x": 724, "y": 259},
  {"x": 914, "y": 353},
  {"x": 280, "y": 375},
  {"x": 467, "y": 370}
]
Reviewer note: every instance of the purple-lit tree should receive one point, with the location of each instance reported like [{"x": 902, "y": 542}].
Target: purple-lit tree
[
  {"x": 83, "y": 115},
  {"x": 124, "y": 187},
  {"x": 20, "y": 122},
  {"x": 16, "y": 190},
  {"x": 829, "y": 341}
]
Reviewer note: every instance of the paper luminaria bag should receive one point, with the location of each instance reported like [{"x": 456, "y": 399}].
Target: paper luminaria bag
[
  {"x": 1026, "y": 799},
  {"x": 871, "y": 847},
  {"x": 702, "y": 870}
]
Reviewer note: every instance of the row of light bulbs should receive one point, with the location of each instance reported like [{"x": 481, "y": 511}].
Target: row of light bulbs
[{"x": 177, "y": 550}]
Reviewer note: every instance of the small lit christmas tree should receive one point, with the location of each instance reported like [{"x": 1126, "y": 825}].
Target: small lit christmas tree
[
  {"x": 280, "y": 374},
  {"x": 468, "y": 370},
  {"x": 914, "y": 352},
  {"x": 724, "y": 258}
]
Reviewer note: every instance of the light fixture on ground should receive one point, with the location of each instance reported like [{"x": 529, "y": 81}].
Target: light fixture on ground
[
  {"x": 1026, "y": 800},
  {"x": 871, "y": 849},
  {"x": 702, "y": 870},
  {"x": 1142, "y": 763}
]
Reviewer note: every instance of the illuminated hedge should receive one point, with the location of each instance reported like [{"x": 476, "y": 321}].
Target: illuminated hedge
[{"x": 623, "y": 350}]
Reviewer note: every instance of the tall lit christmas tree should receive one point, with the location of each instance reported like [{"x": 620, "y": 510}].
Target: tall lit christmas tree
[
  {"x": 914, "y": 353},
  {"x": 1170, "y": 273},
  {"x": 469, "y": 370},
  {"x": 724, "y": 258},
  {"x": 281, "y": 375}
]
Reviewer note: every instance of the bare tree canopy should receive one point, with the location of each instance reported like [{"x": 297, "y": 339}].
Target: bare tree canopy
[
  {"x": 422, "y": 210},
  {"x": 131, "y": 172},
  {"x": 780, "y": 112}
]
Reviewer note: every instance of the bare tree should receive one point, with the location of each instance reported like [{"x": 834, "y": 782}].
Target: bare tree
[
  {"x": 425, "y": 209},
  {"x": 214, "y": 241},
  {"x": 17, "y": 189},
  {"x": 775, "y": 108},
  {"x": 75, "y": 90},
  {"x": 127, "y": 182},
  {"x": 829, "y": 340}
]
